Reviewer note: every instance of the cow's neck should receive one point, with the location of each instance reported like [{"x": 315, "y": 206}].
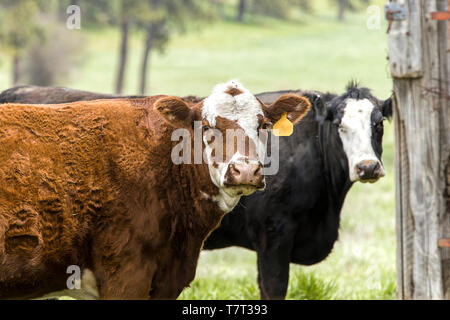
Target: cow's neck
[
  {"x": 334, "y": 164},
  {"x": 204, "y": 212},
  {"x": 224, "y": 201},
  {"x": 185, "y": 194},
  {"x": 188, "y": 189}
]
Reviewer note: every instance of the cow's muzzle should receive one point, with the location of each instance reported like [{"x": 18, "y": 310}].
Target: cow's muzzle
[
  {"x": 369, "y": 170},
  {"x": 245, "y": 175}
]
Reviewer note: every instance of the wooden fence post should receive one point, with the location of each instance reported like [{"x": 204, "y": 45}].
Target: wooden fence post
[{"x": 419, "y": 62}]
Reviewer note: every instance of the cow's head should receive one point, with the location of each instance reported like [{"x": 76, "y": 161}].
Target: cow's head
[
  {"x": 358, "y": 118},
  {"x": 236, "y": 115}
]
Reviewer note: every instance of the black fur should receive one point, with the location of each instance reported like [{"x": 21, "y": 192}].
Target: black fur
[
  {"x": 51, "y": 95},
  {"x": 296, "y": 219}
]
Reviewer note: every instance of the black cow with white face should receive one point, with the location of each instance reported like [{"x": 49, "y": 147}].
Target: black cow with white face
[{"x": 297, "y": 218}]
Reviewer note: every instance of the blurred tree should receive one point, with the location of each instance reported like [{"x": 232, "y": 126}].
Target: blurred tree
[
  {"x": 160, "y": 19},
  {"x": 344, "y": 5},
  {"x": 218, "y": 6},
  {"x": 18, "y": 27},
  {"x": 124, "y": 31},
  {"x": 94, "y": 13},
  {"x": 101, "y": 13},
  {"x": 305, "y": 5},
  {"x": 50, "y": 59},
  {"x": 278, "y": 9},
  {"x": 242, "y": 6},
  {"x": 126, "y": 11}
]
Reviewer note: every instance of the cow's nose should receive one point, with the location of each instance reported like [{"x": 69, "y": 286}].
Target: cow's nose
[
  {"x": 245, "y": 174},
  {"x": 369, "y": 170}
]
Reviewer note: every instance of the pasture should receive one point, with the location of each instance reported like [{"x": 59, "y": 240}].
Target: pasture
[{"x": 308, "y": 52}]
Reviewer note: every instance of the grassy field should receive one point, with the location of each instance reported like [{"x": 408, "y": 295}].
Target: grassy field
[{"x": 308, "y": 52}]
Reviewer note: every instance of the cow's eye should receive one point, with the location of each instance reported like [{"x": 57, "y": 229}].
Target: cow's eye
[
  {"x": 378, "y": 125},
  {"x": 206, "y": 128},
  {"x": 267, "y": 126}
]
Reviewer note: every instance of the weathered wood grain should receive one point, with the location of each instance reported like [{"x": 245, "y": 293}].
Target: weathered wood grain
[
  {"x": 445, "y": 125},
  {"x": 404, "y": 42},
  {"x": 422, "y": 153}
]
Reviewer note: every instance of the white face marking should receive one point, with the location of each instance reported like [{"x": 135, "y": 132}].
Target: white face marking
[
  {"x": 243, "y": 108},
  {"x": 355, "y": 132}
]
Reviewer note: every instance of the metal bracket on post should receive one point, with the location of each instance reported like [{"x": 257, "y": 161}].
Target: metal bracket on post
[
  {"x": 440, "y": 15},
  {"x": 444, "y": 243},
  {"x": 394, "y": 12}
]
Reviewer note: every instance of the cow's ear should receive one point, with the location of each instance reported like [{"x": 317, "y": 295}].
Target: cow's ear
[
  {"x": 295, "y": 106},
  {"x": 175, "y": 111},
  {"x": 386, "y": 108},
  {"x": 321, "y": 111}
]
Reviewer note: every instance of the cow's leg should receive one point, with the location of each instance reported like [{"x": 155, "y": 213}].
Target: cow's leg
[
  {"x": 273, "y": 275},
  {"x": 273, "y": 261},
  {"x": 131, "y": 279},
  {"x": 121, "y": 270}
]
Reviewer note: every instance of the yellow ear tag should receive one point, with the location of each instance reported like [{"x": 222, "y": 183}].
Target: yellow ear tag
[{"x": 283, "y": 127}]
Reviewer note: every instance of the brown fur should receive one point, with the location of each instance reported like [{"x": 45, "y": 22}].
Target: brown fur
[
  {"x": 233, "y": 91},
  {"x": 92, "y": 184},
  {"x": 284, "y": 105},
  {"x": 264, "y": 123},
  {"x": 192, "y": 99},
  {"x": 176, "y": 111},
  {"x": 246, "y": 148}
]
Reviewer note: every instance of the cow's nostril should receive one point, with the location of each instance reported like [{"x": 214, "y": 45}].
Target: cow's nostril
[
  {"x": 367, "y": 170},
  {"x": 234, "y": 170},
  {"x": 257, "y": 172},
  {"x": 377, "y": 168},
  {"x": 245, "y": 174},
  {"x": 360, "y": 169}
]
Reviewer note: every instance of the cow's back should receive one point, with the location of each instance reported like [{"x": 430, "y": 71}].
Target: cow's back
[{"x": 48, "y": 95}]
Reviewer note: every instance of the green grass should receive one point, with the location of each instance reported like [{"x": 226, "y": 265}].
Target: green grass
[{"x": 309, "y": 52}]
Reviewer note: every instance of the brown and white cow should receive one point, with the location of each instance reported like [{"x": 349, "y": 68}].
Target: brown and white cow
[{"x": 93, "y": 184}]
